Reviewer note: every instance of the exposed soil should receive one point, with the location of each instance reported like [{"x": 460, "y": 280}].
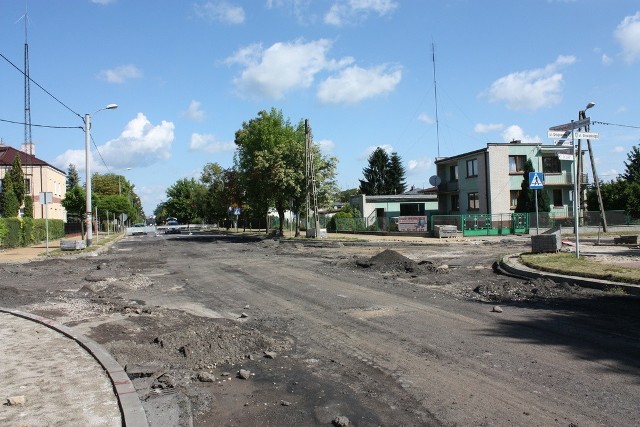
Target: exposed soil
[{"x": 384, "y": 334}]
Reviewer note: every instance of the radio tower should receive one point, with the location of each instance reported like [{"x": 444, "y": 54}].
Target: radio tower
[
  {"x": 27, "y": 92},
  {"x": 28, "y": 143}
]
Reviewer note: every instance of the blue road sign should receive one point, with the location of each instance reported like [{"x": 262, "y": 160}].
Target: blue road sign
[
  {"x": 236, "y": 211},
  {"x": 536, "y": 180}
]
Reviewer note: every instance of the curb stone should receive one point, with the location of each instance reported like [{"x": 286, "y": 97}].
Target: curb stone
[{"x": 133, "y": 414}]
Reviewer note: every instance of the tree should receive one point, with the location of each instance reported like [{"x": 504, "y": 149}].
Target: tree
[
  {"x": 270, "y": 160},
  {"x": 184, "y": 200},
  {"x": 73, "y": 178},
  {"x": 345, "y": 196},
  {"x": 216, "y": 203},
  {"x": 17, "y": 178},
  {"x": 383, "y": 175},
  {"x": 632, "y": 166},
  {"x": 618, "y": 195},
  {"x": 75, "y": 203},
  {"x": 526, "y": 197},
  {"x": 395, "y": 177},
  {"x": 28, "y": 207},
  {"x": 10, "y": 205},
  {"x": 374, "y": 182}
]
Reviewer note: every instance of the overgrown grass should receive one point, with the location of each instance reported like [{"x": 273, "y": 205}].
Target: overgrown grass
[
  {"x": 564, "y": 263},
  {"x": 102, "y": 240}
]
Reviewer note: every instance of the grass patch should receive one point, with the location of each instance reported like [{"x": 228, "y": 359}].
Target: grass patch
[{"x": 565, "y": 263}]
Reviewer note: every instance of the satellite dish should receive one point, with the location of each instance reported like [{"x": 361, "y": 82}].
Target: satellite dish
[{"x": 435, "y": 180}]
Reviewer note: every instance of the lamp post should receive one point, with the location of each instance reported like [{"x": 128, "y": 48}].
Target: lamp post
[
  {"x": 578, "y": 177},
  {"x": 87, "y": 149},
  {"x": 119, "y": 186}
]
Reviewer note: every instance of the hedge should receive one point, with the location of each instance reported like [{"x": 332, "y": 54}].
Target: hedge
[{"x": 16, "y": 232}]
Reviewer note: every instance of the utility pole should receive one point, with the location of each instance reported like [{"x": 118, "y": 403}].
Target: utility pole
[
  {"x": 582, "y": 115},
  {"x": 312, "y": 195}
]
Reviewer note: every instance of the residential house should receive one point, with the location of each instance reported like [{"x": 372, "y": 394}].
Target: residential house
[
  {"x": 489, "y": 180},
  {"x": 39, "y": 177},
  {"x": 384, "y": 210}
]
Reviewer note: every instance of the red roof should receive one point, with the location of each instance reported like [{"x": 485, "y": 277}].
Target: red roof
[{"x": 8, "y": 154}]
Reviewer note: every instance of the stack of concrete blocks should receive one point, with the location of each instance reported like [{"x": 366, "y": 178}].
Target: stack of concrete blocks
[
  {"x": 445, "y": 231},
  {"x": 548, "y": 242},
  {"x": 627, "y": 240},
  {"x": 72, "y": 245}
]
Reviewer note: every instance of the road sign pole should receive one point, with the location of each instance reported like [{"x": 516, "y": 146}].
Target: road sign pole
[
  {"x": 537, "y": 217},
  {"x": 576, "y": 226}
]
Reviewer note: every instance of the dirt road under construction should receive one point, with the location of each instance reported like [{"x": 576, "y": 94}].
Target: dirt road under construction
[{"x": 231, "y": 330}]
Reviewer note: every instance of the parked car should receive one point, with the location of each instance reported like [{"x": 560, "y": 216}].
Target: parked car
[{"x": 173, "y": 227}]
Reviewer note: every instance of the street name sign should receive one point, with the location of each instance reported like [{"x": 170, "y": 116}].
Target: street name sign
[
  {"x": 536, "y": 180},
  {"x": 572, "y": 125},
  {"x": 586, "y": 135},
  {"x": 558, "y": 134}
]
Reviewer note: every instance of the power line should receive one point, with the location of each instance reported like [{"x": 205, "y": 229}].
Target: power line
[
  {"x": 37, "y": 84},
  {"x": 42, "y": 126},
  {"x": 615, "y": 124}
]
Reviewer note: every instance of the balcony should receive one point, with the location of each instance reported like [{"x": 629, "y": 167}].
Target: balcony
[
  {"x": 448, "y": 187},
  {"x": 563, "y": 178}
]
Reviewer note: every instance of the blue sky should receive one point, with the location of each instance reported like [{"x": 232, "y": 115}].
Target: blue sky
[{"x": 186, "y": 74}]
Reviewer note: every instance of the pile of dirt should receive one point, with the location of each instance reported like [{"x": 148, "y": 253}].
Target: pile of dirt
[
  {"x": 392, "y": 261},
  {"x": 538, "y": 289},
  {"x": 197, "y": 344}
]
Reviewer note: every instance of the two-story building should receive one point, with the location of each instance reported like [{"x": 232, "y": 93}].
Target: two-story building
[
  {"x": 39, "y": 177},
  {"x": 489, "y": 180}
]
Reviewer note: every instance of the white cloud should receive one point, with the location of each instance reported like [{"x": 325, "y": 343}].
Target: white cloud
[
  {"x": 345, "y": 12},
  {"x": 515, "y": 132},
  {"x": 419, "y": 166},
  {"x": 140, "y": 144},
  {"x": 606, "y": 59},
  {"x": 102, "y": 1},
  {"x": 628, "y": 35},
  {"x": 618, "y": 149},
  {"x": 120, "y": 74},
  {"x": 220, "y": 11},
  {"x": 424, "y": 117},
  {"x": 326, "y": 145},
  {"x": 209, "y": 143},
  {"x": 282, "y": 67},
  {"x": 369, "y": 150},
  {"x": 487, "y": 127},
  {"x": 194, "y": 112},
  {"x": 354, "y": 84},
  {"x": 531, "y": 89}
]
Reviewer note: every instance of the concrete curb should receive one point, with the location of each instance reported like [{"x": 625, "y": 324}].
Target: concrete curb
[
  {"x": 511, "y": 266},
  {"x": 133, "y": 414}
]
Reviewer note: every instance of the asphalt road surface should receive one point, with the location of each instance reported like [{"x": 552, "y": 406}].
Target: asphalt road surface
[{"x": 381, "y": 333}]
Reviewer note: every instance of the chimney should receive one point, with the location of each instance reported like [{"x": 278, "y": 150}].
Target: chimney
[{"x": 29, "y": 148}]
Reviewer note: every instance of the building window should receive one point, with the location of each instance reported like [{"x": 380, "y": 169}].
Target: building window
[
  {"x": 514, "y": 194},
  {"x": 516, "y": 164},
  {"x": 474, "y": 202},
  {"x": 27, "y": 186},
  {"x": 411, "y": 209},
  {"x": 453, "y": 173},
  {"x": 551, "y": 165},
  {"x": 455, "y": 202},
  {"x": 472, "y": 168},
  {"x": 557, "y": 198}
]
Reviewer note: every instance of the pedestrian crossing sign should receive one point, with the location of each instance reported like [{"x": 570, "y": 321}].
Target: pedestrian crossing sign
[{"x": 536, "y": 180}]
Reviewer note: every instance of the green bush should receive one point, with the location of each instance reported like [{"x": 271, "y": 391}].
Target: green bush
[
  {"x": 56, "y": 229},
  {"x": 3, "y": 231},
  {"x": 13, "y": 238},
  {"x": 28, "y": 237}
]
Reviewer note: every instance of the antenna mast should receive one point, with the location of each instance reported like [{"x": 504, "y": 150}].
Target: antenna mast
[{"x": 435, "y": 93}]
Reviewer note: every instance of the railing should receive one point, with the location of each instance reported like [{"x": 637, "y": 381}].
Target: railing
[{"x": 563, "y": 178}]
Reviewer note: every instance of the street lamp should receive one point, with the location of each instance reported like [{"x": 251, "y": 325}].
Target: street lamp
[
  {"x": 87, "y": 149},
  {"x": 578, "y": 177},
  {"x": 119, "y": 186}
]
